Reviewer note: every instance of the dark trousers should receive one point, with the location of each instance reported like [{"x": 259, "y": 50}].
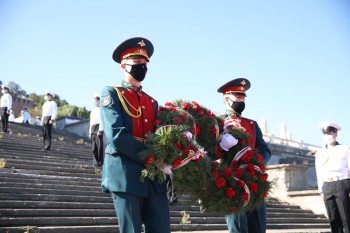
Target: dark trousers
[
  {"x": 97, "y": 147},
  {"x": 337, "y": 201},
  {"x": 4, "y": 119},
  {"x": 47, "y": 128},
  {"x": 248, "y": 222},
  {"x": 133, "y": 210}
]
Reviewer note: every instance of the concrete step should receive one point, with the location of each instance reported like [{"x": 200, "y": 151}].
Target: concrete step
[{"x": 63, "y": 229}]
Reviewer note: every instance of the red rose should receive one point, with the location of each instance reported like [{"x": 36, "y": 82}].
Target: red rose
[
  {"x": 243, "y": 142},
  {"x": 222, "y": 123},
  {"x": 263, "y": 168},
  {"x": 250, "y": 167},
  {"x": 230, "y": 193},
  {"x": 201, "y": 112},
  {"x": 215, "y": 163},
  {"x": 245, "y": 196},
  {"x": 227, "y": 172},
  {"x": 183, "y": 117},
  {"x": 264, "y": 195},
  {"x": 252, "y": 174},
  {"x": 150, "y": 159},
  {"x": 210, "y": 113},
  {"x": 186, "y": 105},
  {"x": 233, "y": 209},
  {"x": 263, "y": 178},
  {"x": 178, "y": 146},
  {"x": 157, "y": 122},
  {"x": 215, "y": 172},
  {"x": 220, "y": 182},
  {"x": 240, "y": 184},
  {"x": 177, "y": 162},
  {"x": 178, "y": 121},
  {"x": 260, "y": 158},
  {"x": 196, "y": 106},
  {"x": 253, "y": 186},
  {"x": 159, "y": 110}
]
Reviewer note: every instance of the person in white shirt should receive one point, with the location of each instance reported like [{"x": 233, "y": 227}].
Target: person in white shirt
[
  {"x": 26, "y": 115},
  {"x": 96, "y": 132},
  {"x": 12, "y": 116},
  {"x": 5, "y": 107},
  {"x": 38, "y": 121},
  {"x": 48, "y": 118},
  {"x": 333, "y": 178}
]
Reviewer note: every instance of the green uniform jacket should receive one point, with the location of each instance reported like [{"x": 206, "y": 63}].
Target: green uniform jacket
[{"x": 122, "y": 166}]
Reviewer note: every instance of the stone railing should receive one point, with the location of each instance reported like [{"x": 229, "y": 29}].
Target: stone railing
[{"x": 294, "y": 184}]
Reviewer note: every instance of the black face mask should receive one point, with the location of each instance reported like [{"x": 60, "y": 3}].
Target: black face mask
[
  {"x": 238, "y": 107},
  {"x": 138, "y": 71}
]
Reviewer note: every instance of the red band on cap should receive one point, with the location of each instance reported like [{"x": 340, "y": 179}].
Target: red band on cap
[
  {"x": 134, "y": 51},
  {"x": 238, "y": 89}
]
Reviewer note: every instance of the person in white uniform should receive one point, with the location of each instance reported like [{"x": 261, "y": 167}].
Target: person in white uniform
[
  {"x": 26, "y": 115},
  {"x": 333, "y": 178},
  {"x": 12, "y": 116},
  {"x": 96, "y": 132},
  {"x": 48, "y": 118},
  {"x": 5, "y": 108}
]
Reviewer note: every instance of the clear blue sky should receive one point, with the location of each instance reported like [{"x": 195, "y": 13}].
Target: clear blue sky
[{"x": 295, "y": 53}]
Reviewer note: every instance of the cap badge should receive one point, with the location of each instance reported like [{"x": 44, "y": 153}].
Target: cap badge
[
  {"x": 243, "y": 82},
  {"x": 141, "y": 43}
]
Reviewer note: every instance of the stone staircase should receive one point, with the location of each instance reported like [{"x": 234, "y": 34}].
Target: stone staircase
[{"x": 58, "y": 191}]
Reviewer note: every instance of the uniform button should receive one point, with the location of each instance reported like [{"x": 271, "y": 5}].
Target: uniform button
[
  {"x": 143, "y": 106},
  {"x": 146, "y": 120},
  {"x": 123, "y": 92},
  {"x": 152, "y": 100}
]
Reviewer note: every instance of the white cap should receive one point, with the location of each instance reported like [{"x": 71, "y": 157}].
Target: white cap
[
  {"x": 96, "y": 95},
  {"x": 3, "y": 86},
  {"x": 328, "y": 125},
  {"x": 47, "y": 92}
]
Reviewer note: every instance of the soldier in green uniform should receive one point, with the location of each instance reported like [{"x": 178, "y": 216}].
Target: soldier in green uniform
[
  {"x": 127, "y": 114},
  {"x": 234, "y": 93}
]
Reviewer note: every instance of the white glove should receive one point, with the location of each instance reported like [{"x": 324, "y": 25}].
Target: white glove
[
  {"x": 188, "y": 135},
  {"x": 167, "y": 169},
  {"x": 228, "y": 141}
]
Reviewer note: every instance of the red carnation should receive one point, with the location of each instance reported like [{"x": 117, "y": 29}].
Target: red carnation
[
  {"x": 260, "y": 158},
  {"x": 185, "y": 150},
  {"x": 264, "y": 195},
  {"x": 215, "y": 163},
  {"x": 234, "y": 164},
  {"x": 218, "y": 153},
  {"x": 263, "y": 178},
  {"x": 150, "y": 159},
  {"x": 246, "y": 158},
  {"x": 227, "y": 171},
  {"x": 178, "y": 146},
  {"x": 250, "y": 153},
  {"x": 183, "y": 117},
  {"x": 237, "y": 173},
  {"x": 186, "y": 105},
  {"x": 220, "y": 182},
  {"x": 252, "y": 174},
  {"x": 230, "y": 193},
  {"x": 157, "y": 122},
  {"x": 222, "y": 123},
  {"x": 169, "y": 104},
  {"x": 198, "y": 129},
  {"x": 233, "y": 209},
  {"x": 177, "y": 162},
  {"x": 215, "y": 172},
  {"x": 250, "y": 167},
  {"x": 201, "y": 112},
  {"x": 263, "y": 168},
  {"x": 243, "y": 142},
  {"x": 213, "y": 130},
  {"x": 240, "y": 184},
  {"x": 159, "y": 110},
  {"x": 253, "y": 186},
  {"x": 245, "y": 196},
  {"x": 195, "y": 106}
]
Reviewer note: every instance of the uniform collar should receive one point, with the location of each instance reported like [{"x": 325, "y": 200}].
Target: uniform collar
[
  {"x": 130, "y": 86},
  {"x": 230, "y": 113}
]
